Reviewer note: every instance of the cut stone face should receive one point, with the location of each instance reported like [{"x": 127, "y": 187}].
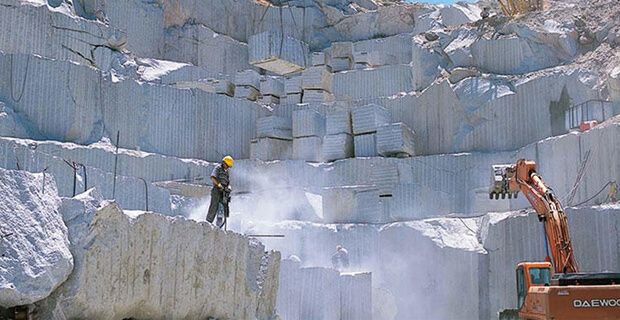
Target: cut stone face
[
  {"x": 333, "y": 295},
  {"x": 365, "y": 145},
  {"x": 367, "y": 119},
  {"x": 272, "y": 86},
  {"x": 338, "y": 146},
  {"x": 245, "y": 277},
  {"x": 338, "y": 121},
  {"x": 382, "y": 81},
  {"x": 307, "y": 123},
  {"x": 395, "y": 140},
  {"x": 268, "y": 149},
  {"x": 274, "y": 127},
  {"x": 317, "y": 78},
  {"x": 293, "y": 84},
  {"x": 248, "y": 78},
  {"x": 308, "y": 148}
]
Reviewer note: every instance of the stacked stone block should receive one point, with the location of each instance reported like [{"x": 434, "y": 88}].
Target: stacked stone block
[
  {"x": 317, "y": 84},
  {"x": 341, "y": 56},
  {"x": 308, "y": 132},
  {"x": 292, "y": 89},
  {"x": 321, "y": 58},
  {"x": 272, "y": 89},
  {"x": 247, "y": 84},
  {"x": 395, "y": 139},
  {"x": 274, "y": 139},
  {"x": 366, "y": 121},
  {"x": 338, "y": 142}
]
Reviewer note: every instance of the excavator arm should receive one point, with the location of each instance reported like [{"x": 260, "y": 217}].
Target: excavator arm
[
  {"x": 523, "y": 177},
  {"x": 517, "y": 7}
]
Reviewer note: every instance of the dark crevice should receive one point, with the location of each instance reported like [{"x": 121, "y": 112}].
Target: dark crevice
[
  {"x": 78, "y": 31},
  {"x": 80, "y": 55}
]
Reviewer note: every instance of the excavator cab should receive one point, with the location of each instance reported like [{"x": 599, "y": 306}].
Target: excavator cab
[{"x": 531, "y": 274}]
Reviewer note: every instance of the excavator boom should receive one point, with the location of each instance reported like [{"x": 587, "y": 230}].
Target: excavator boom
[{"x": 523, "y": 177}]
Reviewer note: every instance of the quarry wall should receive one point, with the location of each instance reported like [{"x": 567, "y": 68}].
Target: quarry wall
[{"x": 382, "y": 143}]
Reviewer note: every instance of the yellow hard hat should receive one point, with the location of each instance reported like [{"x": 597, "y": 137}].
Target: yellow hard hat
[{"x": 229, "y": 161}]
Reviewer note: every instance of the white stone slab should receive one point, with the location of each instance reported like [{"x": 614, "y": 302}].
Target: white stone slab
[
  {"x": 317, "y": 78},
  {"x": 457, "y": 257},
  {"x": 342, "y": 50},
  {"x": 318, "y": 58},
  {"x": 340, "y": 64},
  {"x": 272, "y": 86},
  {"x": 395, "y": 49},
  {"x": 248, "y": 77},
  {"x": 247, "y": 92},
  {"x": 365, "y": 145},
  {"x": 317, "y": 96},
  {"x": 339, "y": 204},
  {"x": 385, "y": 177},
  {"x": 366, "y": 119},
  {"x": 14, "y": 125},
  {"x": 308, "y": 149},
  {"x": 395, "y": 140},
  {"x": 372, "y": 58},
  {"x": 320, "y": 295},
  {"x": 268, "y": 149},
  {"x": 199, "y": 45},
  {"x": 307, "y": 122},
  {"x": 274, "y": 122},
  {"x": 292, "y": 84},
  {"x": 338, "y": 121},
  {"x": 338, "y": 146},
  {"x": 369, "y": 207},
  {"x": 407, "y": 202}
]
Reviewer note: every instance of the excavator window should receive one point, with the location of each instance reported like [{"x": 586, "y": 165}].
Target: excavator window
[
  {"x": 520, "y": 286},
  {"x": 540, "y": 276}
]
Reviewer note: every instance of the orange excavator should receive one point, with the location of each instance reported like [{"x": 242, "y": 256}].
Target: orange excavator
[{"x": 554, "y": 289}]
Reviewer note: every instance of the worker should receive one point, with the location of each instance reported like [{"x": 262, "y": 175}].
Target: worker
[
  {"x": 221, "y": 184},
  {"x": 612, "y": 196},
  {"x": 486, "y": 12},
  {"x": 340, "y": 259}
]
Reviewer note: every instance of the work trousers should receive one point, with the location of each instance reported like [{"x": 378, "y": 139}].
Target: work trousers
[{"x": 216, "y": 198}]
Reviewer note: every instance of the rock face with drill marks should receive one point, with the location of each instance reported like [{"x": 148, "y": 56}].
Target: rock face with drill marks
[
  {"x": 148, "y": 266},
  {"x": 475, "y": 92}
]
